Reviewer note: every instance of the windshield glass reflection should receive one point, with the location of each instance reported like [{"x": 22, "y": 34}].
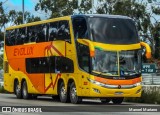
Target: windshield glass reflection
[
  {"x": 130, "y": 62},
  {"x": 123, "y": 63},
  {"x": 105, "y": 62}
]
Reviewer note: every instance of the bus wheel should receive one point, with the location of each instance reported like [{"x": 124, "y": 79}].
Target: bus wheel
[
  {"x": 105, "y": 100},
  {"x": 17, "y": 90},
  {"x": 25, "y": 93},
  {"x": 117, "y": 100},
  {"x": 73, "y": 94},
  {"x": 62, "y": 93}
]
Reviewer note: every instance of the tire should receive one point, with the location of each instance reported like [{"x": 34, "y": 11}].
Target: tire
[
  {"x": 73, "y": 94},
  {"x": 25, "y": 93},
  {"x": 17, "y": 90},
  {"x": 63, "y": 94},
  {"x": 117, "y": 100},
  {"x": 105, "y": 100}
]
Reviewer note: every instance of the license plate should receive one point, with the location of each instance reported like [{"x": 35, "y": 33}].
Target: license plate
[{"x": 118, "y": 93}]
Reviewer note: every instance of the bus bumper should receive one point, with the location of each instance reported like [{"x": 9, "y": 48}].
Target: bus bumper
[{"x": 97, "y": 91}]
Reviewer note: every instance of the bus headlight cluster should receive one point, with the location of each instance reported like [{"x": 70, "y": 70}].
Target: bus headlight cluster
[
  {"x": 138, "y": 84},
  {"x": 96, "y": 82},
  {"x": 114, "y": 86}
]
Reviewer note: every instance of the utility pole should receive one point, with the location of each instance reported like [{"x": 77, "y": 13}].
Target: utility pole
[
  {"x": 23, "y": 10},
  {"x": 92, "y": 6}
]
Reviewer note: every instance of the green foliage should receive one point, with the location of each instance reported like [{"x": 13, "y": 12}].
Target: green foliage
[
  {"x": 149, "y": 95},
  {"x": 2, "y": 90},
  {"x": 1, "y": 62},
  {"x": 16, "y": 17},
  {"x": 3, "y": 17},
  {"x": 1, "y": 36},
  {"x": 57, "y": 8}
]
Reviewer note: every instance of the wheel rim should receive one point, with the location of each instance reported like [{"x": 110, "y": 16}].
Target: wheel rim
[
  {"x": 63, "y": 92},
  {"x": 17, "y": 88},
  {"x": 74, "y": 93},
  {"x": 24, "y": 90}
]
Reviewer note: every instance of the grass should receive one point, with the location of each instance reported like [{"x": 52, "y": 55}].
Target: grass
[
  {"x": 150, "y": 94},
  {"x": 2, "y": 90}
]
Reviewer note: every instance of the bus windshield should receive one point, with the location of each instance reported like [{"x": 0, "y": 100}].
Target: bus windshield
[
  {"x": 112, "y": 30},
  {"x": 123, "y": 63}
]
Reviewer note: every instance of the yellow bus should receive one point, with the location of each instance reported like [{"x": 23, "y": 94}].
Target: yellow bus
[{"x": 75, "y": 57}]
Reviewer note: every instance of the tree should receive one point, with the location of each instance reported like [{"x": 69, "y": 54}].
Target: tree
[
  {"x": 16, "y": 17},
  {"x": 57, "y": 8},
  {"x": 3, "y": 17}
]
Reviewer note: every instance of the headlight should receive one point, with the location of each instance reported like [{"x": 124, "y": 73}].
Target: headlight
[
  {"x": 138, "y": 84},
  {"x": 96, "y": 82}
]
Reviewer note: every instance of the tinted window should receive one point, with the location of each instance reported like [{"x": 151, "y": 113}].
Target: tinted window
[
  {"x": 53, "y": 30},
  {"x": 80, "y": 28},
  {"x": 49, "y": 65},
  {"x": 41, "y": 33},
  {"x": 10, "y": 37},
  {"x": 83, "y": 57},
  {"x": 32, "y": 32},
  {"x": 63, "y": 31},
  {"x": 64, "y": 65},
  {"x": 21, "y": 36},
  {"x": 113, "y": 30}
]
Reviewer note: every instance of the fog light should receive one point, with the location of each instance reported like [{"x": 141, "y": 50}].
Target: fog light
[
  {"x": 96, "y": 90},
  {"x": 139, "y": 90}
]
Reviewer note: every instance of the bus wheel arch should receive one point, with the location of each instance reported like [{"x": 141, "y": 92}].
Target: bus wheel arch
[{"x": 17, "y": 89}]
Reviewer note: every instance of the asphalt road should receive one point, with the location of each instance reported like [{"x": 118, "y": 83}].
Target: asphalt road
[{"x": 88, "y": 107}]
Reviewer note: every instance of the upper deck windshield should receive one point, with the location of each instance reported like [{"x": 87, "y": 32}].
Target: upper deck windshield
[{"x": 112, "y": 30}]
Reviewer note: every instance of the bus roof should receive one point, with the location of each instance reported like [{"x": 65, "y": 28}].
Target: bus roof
[
  {"x": 66, "y": 18},
  {"x": 38, "y": 22},
  {"x": 101, "y": 15}
]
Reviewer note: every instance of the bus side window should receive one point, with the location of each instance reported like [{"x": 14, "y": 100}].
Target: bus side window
[
  {"x": 7, "y": 38},
  {"x": 64, "y": 65},
  {"x": 10, "y": 37},
  {"x": 32, "y": 33},
  {"x": 63, "y": 31},
  {"x": 52, "y": 64},
  {"x": 80, "y": 28},
  {"x": 41, "y": 33},
  {"x": 83, "y": 57},
  {"x": 21, "y": 36},
  {"x": 53, "y": 31},
  {"x": 26, "y": 40}
]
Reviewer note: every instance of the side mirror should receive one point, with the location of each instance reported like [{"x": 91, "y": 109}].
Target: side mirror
[
  {"x": 148, "y": 49},
  {"x": 89, "y": 44}
]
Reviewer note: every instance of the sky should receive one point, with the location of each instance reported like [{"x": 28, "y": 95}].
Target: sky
[{"x": 29, "y": 6}]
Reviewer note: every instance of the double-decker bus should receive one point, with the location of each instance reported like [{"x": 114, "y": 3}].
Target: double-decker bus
[{"x": 75, "y": 57}]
